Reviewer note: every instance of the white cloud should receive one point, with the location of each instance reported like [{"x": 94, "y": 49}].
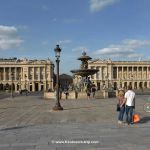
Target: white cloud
[
  {"x": 45, "y": 8},
  {"x": 9, "y": 37},
  {"x": 81, "y": 48},
  {"x": 97, "y": 5},
  {"x": 64, "y": 42},
  {"x": 126, "y": 49}
]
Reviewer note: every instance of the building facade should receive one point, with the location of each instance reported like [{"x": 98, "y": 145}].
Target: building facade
[
  {"x": 115, "y": 74},
  {"x": 33, "y": 75}
]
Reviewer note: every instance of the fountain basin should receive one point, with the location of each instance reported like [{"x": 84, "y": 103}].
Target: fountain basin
[{"x": 84, "y": 72}]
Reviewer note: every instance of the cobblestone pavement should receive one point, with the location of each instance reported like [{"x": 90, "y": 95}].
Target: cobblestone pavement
[{"x": 28, "y": 123}]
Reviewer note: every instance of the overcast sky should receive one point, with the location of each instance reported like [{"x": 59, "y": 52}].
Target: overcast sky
[{"x": 116, "y": 29}]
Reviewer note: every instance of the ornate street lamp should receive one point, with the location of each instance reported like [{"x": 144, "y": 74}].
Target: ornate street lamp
[{"x": 57, "y": 55}]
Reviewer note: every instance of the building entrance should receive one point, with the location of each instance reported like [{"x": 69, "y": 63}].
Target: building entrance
[
  {"x": 98, "y": 85},
  {"x": 42, "y": 88},
  {"x": 36, "y": 87},
  {"x": 30, "y": 87}
]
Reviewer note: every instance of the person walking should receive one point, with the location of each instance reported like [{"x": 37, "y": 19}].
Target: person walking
[
  {"x": 93, "y": 90},
  {"x": 129, "y": 104},
  {"x": 88, "y": 92},
  {"x": 121, "y": 105},
  {"x": 66, "y": 92}
]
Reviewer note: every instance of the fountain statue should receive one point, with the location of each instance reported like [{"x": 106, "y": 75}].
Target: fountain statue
[{"x": 84, "y": 72}]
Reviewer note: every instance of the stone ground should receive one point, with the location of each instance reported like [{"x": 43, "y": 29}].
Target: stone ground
[{"x": 29, "y": 123}]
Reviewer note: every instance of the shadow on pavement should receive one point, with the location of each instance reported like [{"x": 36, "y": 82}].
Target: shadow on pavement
[
  {"x": 145, "y": 119},
  {"x": 13, "y": 128},
  {"x": 81, "y": 107}
]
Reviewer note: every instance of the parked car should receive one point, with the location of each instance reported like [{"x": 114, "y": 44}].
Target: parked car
[{"x": 24, "y": 91}]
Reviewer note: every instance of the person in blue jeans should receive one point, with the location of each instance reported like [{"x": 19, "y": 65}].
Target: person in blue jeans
[
  {"x": 129, "y": 114},
  {"x": 121, "y": 102},
  {"x": 130, "y": 104}
]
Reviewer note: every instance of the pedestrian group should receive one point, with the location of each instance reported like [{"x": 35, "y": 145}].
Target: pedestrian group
[{"x": 125, "y": 105}]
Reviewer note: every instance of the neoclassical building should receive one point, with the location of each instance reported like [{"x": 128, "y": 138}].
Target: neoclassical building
[
  {"x": 33, "y": 75},
  {"x": 117, "y": 74}
]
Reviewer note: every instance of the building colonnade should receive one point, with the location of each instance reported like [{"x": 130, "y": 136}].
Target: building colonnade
[
  {"x": 33, "y": 75},
  {"x": 121, "y": 74}
]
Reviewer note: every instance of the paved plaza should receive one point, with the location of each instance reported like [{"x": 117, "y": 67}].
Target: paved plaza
[{"x": 29, "y": 123}]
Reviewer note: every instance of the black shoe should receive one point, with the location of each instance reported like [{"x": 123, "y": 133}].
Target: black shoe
[{"x": 131, "y": 122}]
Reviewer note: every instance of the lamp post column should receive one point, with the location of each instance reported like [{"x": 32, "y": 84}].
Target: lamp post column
[{"x": 57, "y": 105}]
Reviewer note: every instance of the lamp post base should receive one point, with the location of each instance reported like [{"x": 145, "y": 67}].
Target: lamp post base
[{"x": 57, "y": 108}]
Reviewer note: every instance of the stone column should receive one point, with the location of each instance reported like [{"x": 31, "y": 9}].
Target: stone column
[
  {"x": 100, "y": 73},
  {"x": 127, "y": 73},
  {"x": 1, "y": 78},
  {"x": 33, "y": 86},
  {"x": 94, "y": 74},
  {"x": 4, "y": 74},
  {"x": 122, "y": 74},
  {"x": 127, "y": 84},
  {"x": 135, "y": 74},
  {"x": 132, "y": 77},
  {"x": 111, "y": 72},
  {"x": 137, "y": 69},
  {"x": 137, "y": 85},
  {"x": 10, "y": 73},
  {"x": 45, "y": 78},
  {"x": 117, "y": 73},
  {"x": 101, "y": 68},
  {"x": 39, "y": 86},
  {"x": 44, "y": 75},
  {"x": 142, "y": 73},
  {"x": 15, "y": 86},
  {"x": 22, "y": 74},
  {"x": 147, "y": 74},
  {"x": 33, "y": 73},
  {"x": 15, "y": 74},
  {"x": 39, "y": 73},
  {"x": 97, "y": 74}
]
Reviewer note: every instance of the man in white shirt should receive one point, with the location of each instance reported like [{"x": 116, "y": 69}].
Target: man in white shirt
[{"x": 130, "y": 104}]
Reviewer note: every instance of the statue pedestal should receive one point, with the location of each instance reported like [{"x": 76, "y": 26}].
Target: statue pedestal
[
  {"x": 82, "y": 95},
  {"x": 49, "y": 95},
  {"x": 101, "y": 94},
  {"x": 72, "y": 95}
]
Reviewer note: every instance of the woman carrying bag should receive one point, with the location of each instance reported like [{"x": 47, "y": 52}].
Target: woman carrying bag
[{"x": 120, "y": 105}]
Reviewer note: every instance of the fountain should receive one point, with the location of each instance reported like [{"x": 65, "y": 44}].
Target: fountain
[{"x": 84, "y": 72}]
